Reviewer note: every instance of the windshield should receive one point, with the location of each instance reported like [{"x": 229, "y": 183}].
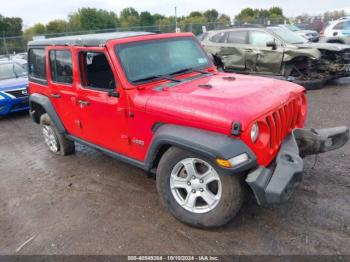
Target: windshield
[
  {"x": 148, "y": 59},
  {"x": 11, "y": 70},
  {"x": 288, "y": 36}
]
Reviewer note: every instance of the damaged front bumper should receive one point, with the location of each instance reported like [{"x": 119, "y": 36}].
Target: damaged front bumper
[{"x": 275, "y": 184}]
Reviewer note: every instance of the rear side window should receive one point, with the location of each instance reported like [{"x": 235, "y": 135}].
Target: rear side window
[
  {"x": 237, "y": 37},
  {"x": 61, "y": 66},
  {"x": 37, "y": 63},
  {"x": 95, "y": 71}
]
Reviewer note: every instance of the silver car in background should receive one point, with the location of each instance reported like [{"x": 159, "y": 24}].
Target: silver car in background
[{"x": 337, "y": 31}]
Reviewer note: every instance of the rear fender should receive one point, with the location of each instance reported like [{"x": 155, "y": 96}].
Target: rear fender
[{"x": 45, "y": 103}]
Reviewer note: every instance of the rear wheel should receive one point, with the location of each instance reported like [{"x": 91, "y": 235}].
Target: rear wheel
[
  {"x": 55, "y": 141},
  {"x": 195, "y": 191}
]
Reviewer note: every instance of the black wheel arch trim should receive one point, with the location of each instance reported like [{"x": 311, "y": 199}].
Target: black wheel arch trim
[
  {"x": 206, "y": 143},
  {"x": 45, "y": 102}
]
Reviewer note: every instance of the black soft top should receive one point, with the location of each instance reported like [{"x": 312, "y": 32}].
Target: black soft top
[{"x": 85, "y": 40}]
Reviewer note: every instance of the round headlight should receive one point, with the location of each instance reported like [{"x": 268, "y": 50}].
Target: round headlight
[
  {"x": 254, "y": 132},
  {"x": 1, "y": 97}
]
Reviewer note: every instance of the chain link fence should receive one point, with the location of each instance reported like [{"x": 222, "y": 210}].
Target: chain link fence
[{"x": 18, "y": 44}]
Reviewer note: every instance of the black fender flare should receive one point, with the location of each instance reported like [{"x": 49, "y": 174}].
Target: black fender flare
[
  {"x": 45, "y": 102},
  {"x": 209, "y": 144}
]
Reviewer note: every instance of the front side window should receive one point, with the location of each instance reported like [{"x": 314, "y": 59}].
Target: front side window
[
  {"x": 37, "y": 63},
  {"x": 95, "y": 71},
  {"x": 260, "y": 38},
  {"x": 147, "y": 59},
  {"x": 288, "y": 36},
  {"x": 61, "y": 66}
]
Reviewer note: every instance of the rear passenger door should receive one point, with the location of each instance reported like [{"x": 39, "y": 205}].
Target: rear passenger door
[
  {"x": 103, "y": 117},
  {"x": 236, "y": 42},
  {"x": 62, "y": 90},
  {"x": 230, "y": 47}
]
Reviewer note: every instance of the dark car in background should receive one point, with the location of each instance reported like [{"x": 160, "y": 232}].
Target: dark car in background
[
  {"x": 13, "y": 88},
  {"x": 279, "y": 53},
  {"x": 311, "y": 35}
]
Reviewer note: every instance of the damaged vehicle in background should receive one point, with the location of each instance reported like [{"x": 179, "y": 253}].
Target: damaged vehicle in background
[{"x": 279, "y": 53}]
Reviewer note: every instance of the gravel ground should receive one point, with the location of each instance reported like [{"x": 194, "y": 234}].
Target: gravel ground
[{"x": 89, "y": 203}]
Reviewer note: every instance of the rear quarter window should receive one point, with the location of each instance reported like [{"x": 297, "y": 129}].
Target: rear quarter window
[{"x": 37, "y": 65}]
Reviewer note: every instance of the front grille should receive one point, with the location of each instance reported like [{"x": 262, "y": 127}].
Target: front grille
[
  {"x": 18, "y": 93},
  {"x": 282, "y": 121}
]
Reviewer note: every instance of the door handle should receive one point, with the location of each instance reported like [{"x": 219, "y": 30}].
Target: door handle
[
  {"x": 83, "y": 103},
  {"x": 55, "y": 95}
]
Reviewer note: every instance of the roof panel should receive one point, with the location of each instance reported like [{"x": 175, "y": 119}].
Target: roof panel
[{"x": 85, "y": 40}]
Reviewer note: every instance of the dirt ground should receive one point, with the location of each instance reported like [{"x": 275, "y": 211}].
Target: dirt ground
[{"x": 89, "y": 203}]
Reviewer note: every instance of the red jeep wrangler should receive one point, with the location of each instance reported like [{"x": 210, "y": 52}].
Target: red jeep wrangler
[{"x": 157, "y": 102}]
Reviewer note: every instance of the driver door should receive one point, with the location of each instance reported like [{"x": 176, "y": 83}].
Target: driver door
[{"x": 261, "y": 58}]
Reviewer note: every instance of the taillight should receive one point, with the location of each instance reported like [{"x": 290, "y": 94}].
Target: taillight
[{"x": 322, "y": 33}]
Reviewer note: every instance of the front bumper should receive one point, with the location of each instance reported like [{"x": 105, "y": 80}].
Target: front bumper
[
  {"x": 276, "y": 183},
  {"x": 10, "y": 105}
]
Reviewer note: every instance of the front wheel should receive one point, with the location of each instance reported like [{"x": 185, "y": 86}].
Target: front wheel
[{"x": 195, "y": 191}]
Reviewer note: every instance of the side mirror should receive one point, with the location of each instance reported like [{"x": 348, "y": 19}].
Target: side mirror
[
  {"x": 114, "y": 93},
  {"x": 272, "y": 44}
]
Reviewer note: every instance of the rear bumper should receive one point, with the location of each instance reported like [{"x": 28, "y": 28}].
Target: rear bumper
[{"x": 276, "y": 183}]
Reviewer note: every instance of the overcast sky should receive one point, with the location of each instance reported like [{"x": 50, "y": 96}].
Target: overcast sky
[{"x": 34, "y": 11}]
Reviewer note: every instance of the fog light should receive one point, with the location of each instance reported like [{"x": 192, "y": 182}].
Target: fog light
[{"x": 235, "y": 161}]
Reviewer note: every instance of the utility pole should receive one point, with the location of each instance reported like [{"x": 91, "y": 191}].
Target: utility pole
[
  {"x": 175, "y": 19},
  {"x": 5, "y": 45}
]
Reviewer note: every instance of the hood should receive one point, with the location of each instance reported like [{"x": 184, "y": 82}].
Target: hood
[
  {"x": 216, "y": 101},
  {"x": 325, "y": 46},
  {"x": 13, "y": 83}
]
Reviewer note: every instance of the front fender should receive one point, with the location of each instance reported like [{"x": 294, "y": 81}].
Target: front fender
[
  {"x": 291, "y": 53},
  {"x": 209, "y": 144}
]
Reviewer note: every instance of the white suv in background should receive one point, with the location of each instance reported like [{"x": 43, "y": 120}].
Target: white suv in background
[{"x": 337, "y": 31}]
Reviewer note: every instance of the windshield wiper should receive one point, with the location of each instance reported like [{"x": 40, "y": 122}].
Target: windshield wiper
[
  {"x": 156, "y": 77},
  {"x": 189, "y": 70}
]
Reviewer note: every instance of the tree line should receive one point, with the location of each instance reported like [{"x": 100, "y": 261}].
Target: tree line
[{"x": 90, "y": 19}]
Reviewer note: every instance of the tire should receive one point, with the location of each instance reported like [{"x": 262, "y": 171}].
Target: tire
[
  {"x": 228, "y": 191},
  {"x": 55, "y": 141},
  {"x": 311, "y": 84}
]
